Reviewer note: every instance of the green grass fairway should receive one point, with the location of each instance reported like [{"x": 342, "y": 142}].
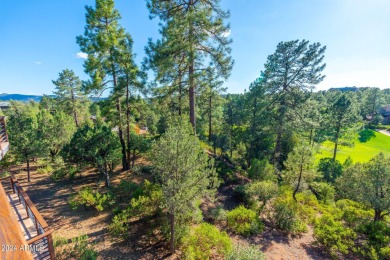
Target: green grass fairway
[{"x": 361, "y": 152}]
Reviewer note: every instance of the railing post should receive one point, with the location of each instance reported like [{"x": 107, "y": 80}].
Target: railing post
[
  {"x": 51, "y": 247},
  {"x": 12, "y": 184}
]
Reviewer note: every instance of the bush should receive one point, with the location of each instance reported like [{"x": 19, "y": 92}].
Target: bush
[
  {"x": 125, "y": 190},
  {"x": 78, "y": 248},
  {"x": 244, "y": 221},
  {"x": 286, "y": 214},
  {"x": 331, "y": 234},
  {"x": 378, "y": 237},
  {"x": 4, "y": 174},
  {"x": 261, "y": 170},
  {"x": 205, "y": 241},
  {"x": 244, "y": 252},
  {"x": 146, "y": 201},
  {"x": 64, "y": 171},
  {"x": 219, "y": 214},
  {"x": 323, "y": 191},
  {"x": 330, "y": 169},
  {"x": 353, "y": 213},
  {"x": 263, "y": 191},
  {"x": 90, "y": 199},
  {"x": 119, "y": 225},
  {"x": 241, "y": 194}
]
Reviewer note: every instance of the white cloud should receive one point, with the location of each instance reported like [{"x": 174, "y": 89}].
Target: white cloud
[
  {"x": 226, "y": 33},
  {"x": 81, "y": 55},
  {"x": 38, "y": 63}
]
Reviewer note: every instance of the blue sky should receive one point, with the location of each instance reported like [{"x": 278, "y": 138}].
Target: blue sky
[{"x": 37, "y": 39}]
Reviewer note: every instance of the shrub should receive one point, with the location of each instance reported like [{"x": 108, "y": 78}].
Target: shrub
[
  {"x": 146, "y": 201},
  {"x": 64, "y": 171},
  {"x": 323, "y": 191},
  {"x": 331, "y": 234},
  {"x": 263, "y": 191},
  {"x": 78, "y": 248},
  {"x": 119, "y": 225},
  {"x": 59, "y": 174},
  {"x": 241, "y": 194},
  {"x": 4, "y": 174},
  {"x": 245, "y": 252},
  {"x": 330, "y": 169},
  {"x": 219, "y": 214},
  {"x": 205, "y": 241},
  {"x": 90, "y": 199},
  {"x": 353, "y": 213},
  {"x": 45, "y": 169},
  {"x": 378, "y": 237},
  {"x": 125, "y": 190},
  {"x": 286, "y": 214},
  {"x": 244, "y": 221},
  {"x": 261, "y": 170}
]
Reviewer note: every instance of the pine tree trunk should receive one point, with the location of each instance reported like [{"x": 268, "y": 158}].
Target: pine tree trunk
[
  {"x": 336, "y": 142},
  {"x": 132, "y": 165},
  {"x": 192, "y": 97},
  {"x": 278, "y": 146},
  {"x": 252, "y": 132},
  {"x": 128, "y": 121},
  {"x": 210, "y": 126},
  {"x": 191, "y": 91},
  {"x": 107, "y": 181},
  {"x": 28, "y": 168},
  {"x": 299, "y": 180},
  {"x": 180, "y": 94},
  {"x": 74, "y": 109},
  {"x": 172, "y": 226},
  {"x": 377, "y": 216},
  {"x": 125, "y": 165}
]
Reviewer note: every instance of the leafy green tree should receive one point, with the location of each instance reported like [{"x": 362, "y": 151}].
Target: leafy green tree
[
  {"x": 341, "y": 116},
  {"x": 194, "y": 39},
  {"x": 264, "y": 191},
  {"x": 55, "y": 130},
  {"x": 290, "y": 73},
  {"x": 299, "y": 167},
  {"x": 139, "y": 144},
  {"x": 97, "y": 146},
  {"x": 23, "y": 132},
  {"x": 69, "y": 94},
  {"x": 330, "y": 169},
  {"x": 368, "y": 183},
  {"x": 184, "y": 171}
]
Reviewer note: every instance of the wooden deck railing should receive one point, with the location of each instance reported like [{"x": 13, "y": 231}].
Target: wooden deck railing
[
  {"x": 4, "y": 142},
  {"x": 3, "y": 131},
  {"x": 44, "y": 233}
]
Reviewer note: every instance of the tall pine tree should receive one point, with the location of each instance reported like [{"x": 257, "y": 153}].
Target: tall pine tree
[{"x": 194, "y": 38}]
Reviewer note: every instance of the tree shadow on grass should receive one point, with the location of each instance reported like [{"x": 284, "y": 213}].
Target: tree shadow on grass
[{"x": 365, "y": 135}]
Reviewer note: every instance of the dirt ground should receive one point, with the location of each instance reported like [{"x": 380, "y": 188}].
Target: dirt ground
[
  {"x": 275, "y": 245},
  {"x": 51, "y": 199}
]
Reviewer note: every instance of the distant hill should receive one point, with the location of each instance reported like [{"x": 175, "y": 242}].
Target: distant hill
[
  {"x": 19, "y": 97},
  {"x": 36, "y": 98},
  {"x": 345, "y": 89}
]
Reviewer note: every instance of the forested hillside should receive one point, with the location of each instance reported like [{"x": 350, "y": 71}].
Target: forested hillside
[{"x": 173, "y": 166}]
